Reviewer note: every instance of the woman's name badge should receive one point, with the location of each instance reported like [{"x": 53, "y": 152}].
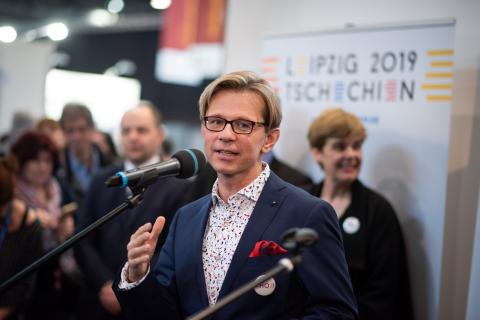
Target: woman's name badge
[{"x": 351, "y": 225}]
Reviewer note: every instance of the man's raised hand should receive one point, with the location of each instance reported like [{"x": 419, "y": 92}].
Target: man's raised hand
[{"x": 141, "y": 248}]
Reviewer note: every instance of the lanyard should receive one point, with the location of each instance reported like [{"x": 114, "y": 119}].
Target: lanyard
[{"x": 8, "y": 219}]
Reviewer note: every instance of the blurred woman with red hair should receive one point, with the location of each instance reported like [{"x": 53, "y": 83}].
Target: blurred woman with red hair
[
  {"x": 35, "y": 184},
  {"x": 37, "y": 159}
]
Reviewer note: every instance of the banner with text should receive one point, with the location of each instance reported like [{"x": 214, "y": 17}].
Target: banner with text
[{"x": 399, "y": 81}]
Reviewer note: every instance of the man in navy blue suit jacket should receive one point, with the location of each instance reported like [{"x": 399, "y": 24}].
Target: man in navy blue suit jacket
[
  {"x": 228, "y": 238},
  {"x": 101, "y": 254}
]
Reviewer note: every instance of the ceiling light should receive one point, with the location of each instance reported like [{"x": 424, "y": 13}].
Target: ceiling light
[
  {"x": 115, "y": 6},
  {"x": 102, "y": 18},
  {"x": 7, "y": 34},
  {"x": 57, "y": 31},
  {"x": 160, "y": 4}
]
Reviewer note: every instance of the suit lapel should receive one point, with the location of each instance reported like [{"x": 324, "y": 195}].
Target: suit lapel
[
  {"x": 262, "y": 216},
  {"x": 199, "y": 224}
]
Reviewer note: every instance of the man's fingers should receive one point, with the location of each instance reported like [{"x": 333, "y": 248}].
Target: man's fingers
[
  {"x": 142, "y": 242},
  {"x": 157, "y": 229},
  {"x": 145, "y": 228},
  {"x": 139, "y": 240},
  {"x": 137, "y": 261},
  {"x": 140, "y": 231},
  {"x": 143, "y": 250}
]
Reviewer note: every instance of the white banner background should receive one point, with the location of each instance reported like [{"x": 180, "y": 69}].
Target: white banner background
[{"x": 399, "y": 81}]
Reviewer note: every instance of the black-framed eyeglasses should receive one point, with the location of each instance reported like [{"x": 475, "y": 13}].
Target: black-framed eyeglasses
[{"x": 239, "y": 126}]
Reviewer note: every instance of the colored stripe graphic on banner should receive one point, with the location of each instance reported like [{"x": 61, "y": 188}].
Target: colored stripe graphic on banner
[{"x": 438, "y": 79}]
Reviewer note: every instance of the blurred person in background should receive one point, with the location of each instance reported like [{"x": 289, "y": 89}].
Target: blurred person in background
[
  {"x": 20, "y": 244},
  {"x": 35, "y": 185},
  {"x": 105, "y": 142},
  {"x": 372, "y": 236},
  {"x": 37, "y": 159},
  {"x": 82, "y": 157},
  {"x": 102, "y": 253},
  {"x": 52, "y": 129}
]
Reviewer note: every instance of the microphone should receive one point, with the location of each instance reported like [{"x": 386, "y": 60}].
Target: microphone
[
  {"x": 299, "y": 238},
  {"x": 184, "y": 164}
]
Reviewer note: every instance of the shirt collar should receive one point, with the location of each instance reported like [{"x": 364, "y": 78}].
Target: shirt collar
[
  {"x": 252, "y": 191},
  {"x": 77, "y": 165}
]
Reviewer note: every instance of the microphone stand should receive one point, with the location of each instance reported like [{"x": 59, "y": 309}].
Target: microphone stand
[
  {"x": 285, "y": 264},
  {"x": 131, "y": 202}
]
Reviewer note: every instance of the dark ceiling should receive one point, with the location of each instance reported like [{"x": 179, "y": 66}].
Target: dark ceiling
[
  {"x": 30, "y": 14},
  {"x": 92, "y": 49}
]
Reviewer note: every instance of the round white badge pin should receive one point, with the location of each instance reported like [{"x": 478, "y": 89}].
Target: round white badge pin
[
  {"x": 265, "y": 288},
  {"x": 351, "y": 225}
]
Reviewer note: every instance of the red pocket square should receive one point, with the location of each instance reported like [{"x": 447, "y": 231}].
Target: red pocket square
[{"x": 266, "y": 248}]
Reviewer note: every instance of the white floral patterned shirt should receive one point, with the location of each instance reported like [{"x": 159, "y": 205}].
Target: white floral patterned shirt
[{"x": 224, "y": 229}]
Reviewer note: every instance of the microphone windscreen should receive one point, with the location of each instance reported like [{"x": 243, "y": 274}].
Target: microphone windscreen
[
  {"x": 299, "y": 238},
  {"x": 192, "y": 161}
]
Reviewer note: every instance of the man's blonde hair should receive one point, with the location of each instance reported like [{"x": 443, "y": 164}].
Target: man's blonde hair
[
  {"x": 334, "y": 123},
  {"x": 245, "y": 81}
]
